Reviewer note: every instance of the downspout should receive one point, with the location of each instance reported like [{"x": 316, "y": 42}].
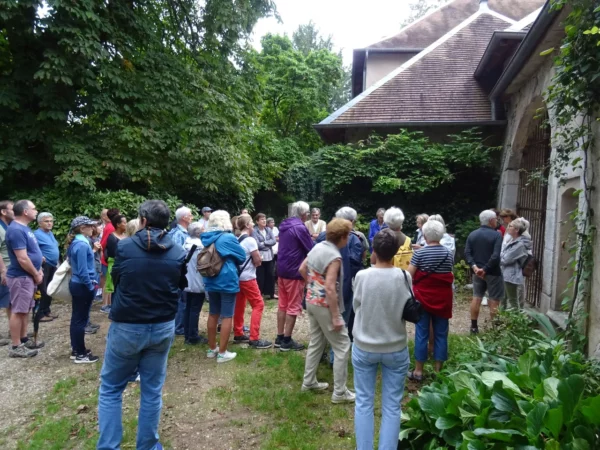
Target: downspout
[{"x": 364, "y": 86}]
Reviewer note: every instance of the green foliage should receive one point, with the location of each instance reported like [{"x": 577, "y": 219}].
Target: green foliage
[
  {"x": 541, "y": 396},
  {"x": 462, "y": 273}
]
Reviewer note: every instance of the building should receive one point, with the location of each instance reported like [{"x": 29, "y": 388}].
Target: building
[{"x": 477, "y": 63}]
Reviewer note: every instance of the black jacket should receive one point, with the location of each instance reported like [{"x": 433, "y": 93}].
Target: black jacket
[
  {"x": 483, "y": 249},
  {"x": 146, "y": 275}
]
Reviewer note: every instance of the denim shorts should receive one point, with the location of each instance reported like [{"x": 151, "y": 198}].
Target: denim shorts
[
  {"x": 493, "y": 284},
  {"x": 221, "y": 304}
]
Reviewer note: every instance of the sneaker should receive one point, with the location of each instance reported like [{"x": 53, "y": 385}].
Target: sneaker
[
  {"x": 346, "y": 397},
  {"x": 21, "y": 352},
  {"x": 105, "y": 309},
  {"x": 95, "y": 326},
  {"x": 90, "y": 330},
  {"x": 31, "y": 345},
  {"x": 315, "y": 387},
  {"x": 74, "y": 354},
  {"x": 4, "y": 342},
  {"x": 292, "y": 345},
  {"x": 246, "y": 329},
  {"x": 86, "y": 359},
  {"x": 260, "y": 344},
  {"x": 225, "y": 357},
  {"x": 210, "y": 353},
  {"x": 484, "y": 301},
  {"x": 241, "y": 339}
]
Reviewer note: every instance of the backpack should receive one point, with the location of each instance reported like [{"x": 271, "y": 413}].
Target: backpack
[
  {"x": 404, "y": 255},
  {"x": 209, "y": 262},
  {"x": 241, "y": 269},
  {"x": 529, "y": 266}
]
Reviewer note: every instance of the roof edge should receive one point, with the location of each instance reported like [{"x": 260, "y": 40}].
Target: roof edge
[
  {"x": 496, "y": 38},
  {"x": 329, "y": 126},
  {"x": 526, "y": 49},
  {"x": 412, "y": 61}
]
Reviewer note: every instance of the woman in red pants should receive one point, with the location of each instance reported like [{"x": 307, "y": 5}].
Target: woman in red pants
[{"x": 249, "y": 291}]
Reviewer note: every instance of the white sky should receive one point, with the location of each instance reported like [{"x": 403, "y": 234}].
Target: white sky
[{"x": 352, "y": 23}]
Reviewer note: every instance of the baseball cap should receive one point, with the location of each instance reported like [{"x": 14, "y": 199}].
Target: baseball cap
[
  {"x": 206, "y": 209},
  {"x": 81, "y": 220}
]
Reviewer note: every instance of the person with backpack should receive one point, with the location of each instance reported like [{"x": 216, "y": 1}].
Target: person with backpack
[
  {"x": 249, "y": 291},
  {"x": 218, "y": 264},
  {"x": 194, "y": 294},
  {"x": 512, "y": 259}
]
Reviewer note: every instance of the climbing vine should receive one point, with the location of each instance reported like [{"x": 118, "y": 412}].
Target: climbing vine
[{"x": 574, "y": 99}]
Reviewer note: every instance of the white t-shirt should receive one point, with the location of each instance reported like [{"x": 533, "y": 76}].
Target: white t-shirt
[
  {"x": 275, "y": 234},
  {"x": 249, "y": 244}
]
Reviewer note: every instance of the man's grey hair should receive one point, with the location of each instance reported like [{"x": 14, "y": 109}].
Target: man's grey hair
[
  {"x": 195, "y": 229},
  {"x": 44, "y": 215},
  {"x": 394, "y": 218},
  {"x": 220, "y": 220},
  {"x": 518, "y": 225},
  {"x": 486, "y": 216},
  {"x": 270, "y": 219},
  {"x": 433, "y": 231},
  {"x": 346, "y": 213},
  {"x": 182, "y": 212},
  {"x": 315, "y": 211},
  {"x": 156, "y": 213},
  {"x": 299, "y": 209},
  {"x": 438, "y": 218},
  {"x": 380, "y": 211}
]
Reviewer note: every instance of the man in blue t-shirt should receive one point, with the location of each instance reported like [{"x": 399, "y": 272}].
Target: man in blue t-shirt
[
  {"x": 49, "y": 247},
  {"x": 24, "y": 274}
]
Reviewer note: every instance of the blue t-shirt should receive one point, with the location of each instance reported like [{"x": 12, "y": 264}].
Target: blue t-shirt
[
  {"x": 48, "y": 246},
  {"x": 20, "y": 237}
]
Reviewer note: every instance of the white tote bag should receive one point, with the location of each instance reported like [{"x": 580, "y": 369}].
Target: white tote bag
[{"x": 58, "y": 288}]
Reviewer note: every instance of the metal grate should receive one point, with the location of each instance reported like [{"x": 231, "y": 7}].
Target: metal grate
[{"x": 532, "y": 199}]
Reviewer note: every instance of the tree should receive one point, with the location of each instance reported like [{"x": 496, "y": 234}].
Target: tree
[{"x": 419, "y": 8}]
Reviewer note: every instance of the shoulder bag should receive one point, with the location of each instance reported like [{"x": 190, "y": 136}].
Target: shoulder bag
[{"x": 413, "y": 310}]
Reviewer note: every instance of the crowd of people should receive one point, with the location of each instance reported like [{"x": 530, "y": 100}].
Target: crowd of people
[{"x": 153, "y": 284}]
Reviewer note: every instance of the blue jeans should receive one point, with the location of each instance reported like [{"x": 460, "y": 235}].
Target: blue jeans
[
  {"x": 81, "y": 303},
  {"x": 440, "y": 337},
  {"x": 393, "y": 372},
  {"x": 130, "y": 346},
  {"x": 180, "y": 316},
  {"x": 193, "y": 306}
]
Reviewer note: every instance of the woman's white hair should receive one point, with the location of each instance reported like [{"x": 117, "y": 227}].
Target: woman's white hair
[
  {"x": 525, "y": 222},
  {"x": 433, "y": 231},
  {"x": 394, "y": 218},
  {"x": 195, "y": 229},
  {"x": 220, "y": 220},
  {"x": 438, "y": 218},
  {"x": 486, "y": 216},
  {"x": 518, "y": 225},
  {"x": 346, "y": 213},
  {"x": 182, "y": 212},
  {"x": 299, "y": 209}
]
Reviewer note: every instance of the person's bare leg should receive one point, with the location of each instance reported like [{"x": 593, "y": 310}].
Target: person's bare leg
[
  {"x": 494, "y": 304},
  {"x": 290, "y": 322},
  {"x": 418, "y": 368},
  {"x": 280, "y": 321},
  {"x": 15, "y": 328},
  {"x": 438, "y": 366},
  {"x": 475, "y": 307},
  {"x": 225, "y": 332},
  {"x": 24, "y": 324},
  {"x": 211, "y": 329}
]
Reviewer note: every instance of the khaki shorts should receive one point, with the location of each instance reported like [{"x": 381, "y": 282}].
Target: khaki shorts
[{"x": 21, "y": 291}]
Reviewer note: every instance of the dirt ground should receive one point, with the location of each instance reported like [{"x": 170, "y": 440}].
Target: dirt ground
[{"x": 192, "y": 418}]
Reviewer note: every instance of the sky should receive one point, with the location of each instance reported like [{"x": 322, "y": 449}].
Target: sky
[{"x": 352, "y": 23}]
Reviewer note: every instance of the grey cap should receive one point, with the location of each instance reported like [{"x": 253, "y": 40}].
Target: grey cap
[
  {"x": 81, "y": 220},
  {"x": 206, "y": 209}
]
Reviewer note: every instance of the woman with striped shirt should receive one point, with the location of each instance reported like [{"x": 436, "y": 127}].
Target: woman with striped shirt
[{"x": 431, "y": 270}]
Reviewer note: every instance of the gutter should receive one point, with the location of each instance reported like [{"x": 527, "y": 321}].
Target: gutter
[
  {"x": 489, "y": 51},
  {"x": 525, "y": 50},
  {"x": 390, "y": 50},
  {"x": 475, "y": 123}
]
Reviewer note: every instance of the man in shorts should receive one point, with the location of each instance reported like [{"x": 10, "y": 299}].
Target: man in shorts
[
  {"x": 6, "y": 217},
  {"x": 482, "y": 253},
  {"x": 294, "y": 244},
  {"x": 23, "y": 275}
]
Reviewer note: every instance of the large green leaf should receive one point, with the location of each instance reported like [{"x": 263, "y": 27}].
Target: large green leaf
[
  {"x": 498, "y": 435},
  {"x": 535, "y": 419},
  {"x": 553, "y": 421},
  {"x": 447, "y": 422},
  {"x": 476, "y": 444},
  {"x": 503, "y": 399},
  {"x": 569, "y": 393},
  {"x": 580, "y": 444},
  {"x": 432, "y": 404},
  {"x": 591, "y": 410},
  {"x": 489, "y": 378},
  {"x": 456, "y": 400},
  {"x": 550, "y": 386}
]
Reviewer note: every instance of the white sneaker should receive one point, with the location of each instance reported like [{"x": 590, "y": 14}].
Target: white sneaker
[
  {"x": 212, "y": 353},
  {"x": 315, "y": 387},
  {"x": 484, "y": 302},
  {"x": 346, "y": 397},
  {"x": 227, "y": 356}
]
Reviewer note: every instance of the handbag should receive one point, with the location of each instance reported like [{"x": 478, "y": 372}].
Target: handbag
[
  {"x": 58, "y": 288},
  {"x": 413, "y": 310}
]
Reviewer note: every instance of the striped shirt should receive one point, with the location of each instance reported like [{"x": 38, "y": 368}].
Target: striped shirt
[{"x": 436, "y": 259}]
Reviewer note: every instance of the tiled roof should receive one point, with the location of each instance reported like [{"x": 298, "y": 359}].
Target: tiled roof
[
  {"x": 430, "y": 28},
  {"x": 437, "y": 85}
]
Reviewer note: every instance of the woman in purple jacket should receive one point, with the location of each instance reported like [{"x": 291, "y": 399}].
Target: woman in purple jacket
[{"x": 294, "y": 244}]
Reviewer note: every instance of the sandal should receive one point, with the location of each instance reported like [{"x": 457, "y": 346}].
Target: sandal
[{"x": 411, "y": 376}]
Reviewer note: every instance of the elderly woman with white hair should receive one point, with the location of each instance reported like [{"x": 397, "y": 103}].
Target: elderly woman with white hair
[
  {"x": 420, "y": 239},
  {"x": 223, "y": 287},
  {"x": 431, "y": 271},
  {"x": 295, "y": 242},
  {"x": 394, "y": 219},
  {"x": 194, "y": 294},
  {"x": 447, "y": 241},
  {"x": 512, "y": 259}
]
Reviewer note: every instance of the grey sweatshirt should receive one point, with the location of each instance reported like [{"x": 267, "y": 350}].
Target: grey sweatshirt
[{"x": 379, "y": 299}]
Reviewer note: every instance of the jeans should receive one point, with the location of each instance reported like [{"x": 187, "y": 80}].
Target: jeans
[
  {"x": 440, "y": 337},
  {"x": 193, "y": 306},
  {"x": 180, "y": 316},
  {"x": 81, "y": 302},
  {"x": 249, "y": 293},
  {"x": 130, "y": 346},
  {"x": 393, "y": 372}
]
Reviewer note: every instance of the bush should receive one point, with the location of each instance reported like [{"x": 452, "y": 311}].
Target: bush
[{"x": 462, "y": 273}]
